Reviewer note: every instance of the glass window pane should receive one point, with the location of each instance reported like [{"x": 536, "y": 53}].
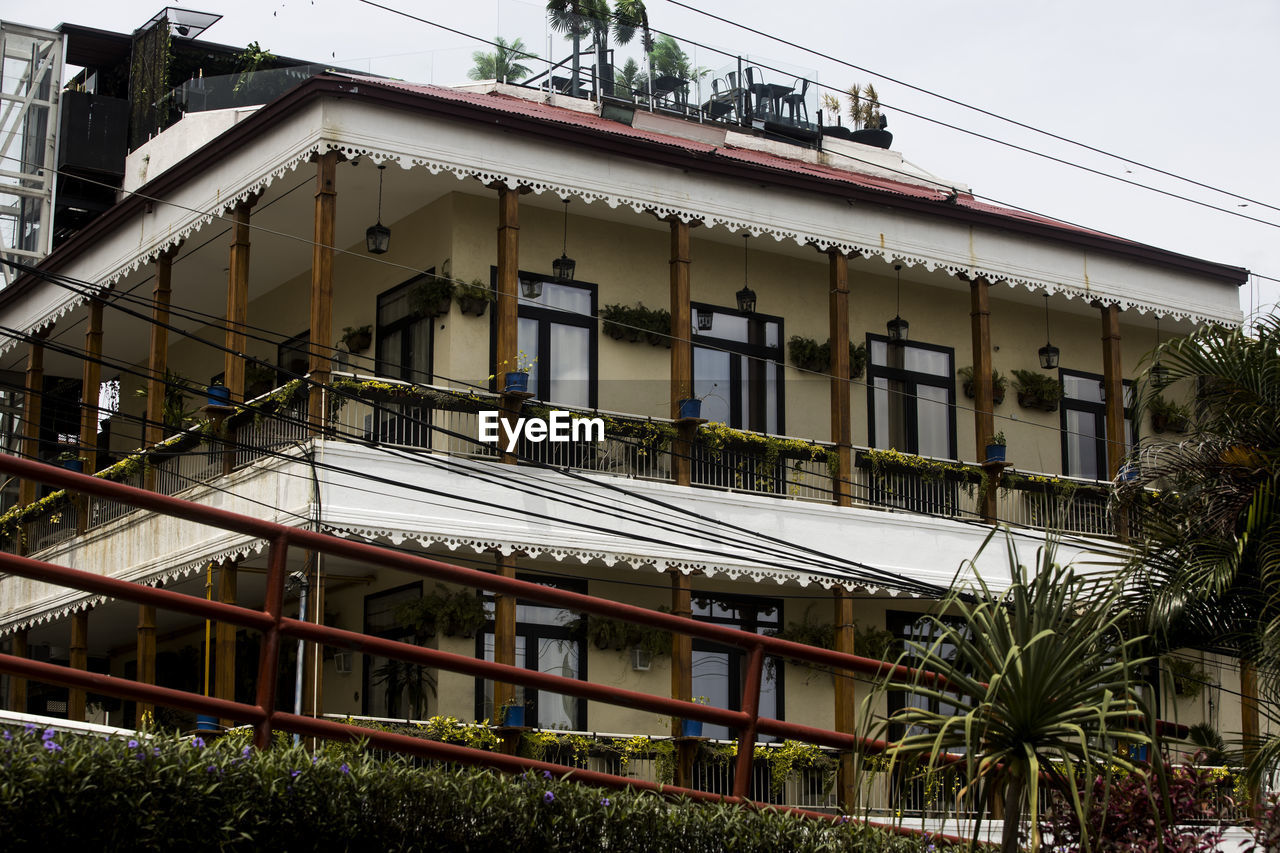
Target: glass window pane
[
  {"x": 771, "y": 334},
  {"x": 933, "y": 420},
  {"x": 920, "y": 360},
  {"x": 729, "y": 327},
  {"x": 1082, "y": 444},
  {"x": 1082, "y": 388},
  {"x": 570, "y": 365},
  {"x": 563, "y": 297},
  {"x": 711, "y": 679},
  {"x": 557, "y": 657},
  {"x": 527, "y": 343},
  {"x": 418, "y": 368},
  {"x": 879, "y": 353},
  {"x": 711, "y": 382}
]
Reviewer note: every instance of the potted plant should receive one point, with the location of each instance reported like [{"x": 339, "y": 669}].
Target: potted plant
[
  {"x": 616, "y": 320},
  {"x": 431, "y": 296},
  {"x": 357, "y": 338},
  {"x": 1167, "y": 416},
  {"x": 71, "y": 460},
  {"x": 996, "y": 448},
  {"x": 517, "y": 381},
  {"x": 511, "y": 714},
  {"x": 1037, "y": 391},
  {"x": 998, "y": 384},
  {"x": 857, "y": 360},
  {"x": 218, "y": 394},
  {"x": 864, "y": 112},
  {"x": 693, "y": 728},
  {"x": 808, "y": 354},
  {"x": 474, "y": 297}
]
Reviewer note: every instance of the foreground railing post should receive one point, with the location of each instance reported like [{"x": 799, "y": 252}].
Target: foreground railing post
[
  {"x": 747, "y": 737},
  {"x": 269, "y": 659}
]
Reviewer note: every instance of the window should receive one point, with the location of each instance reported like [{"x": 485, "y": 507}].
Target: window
[
  {"x": 912, "y": 397},
  {"x": 392, "y": 688},
  {"x": 293, "y": 358},
  {"x": 719, "y": 671},
  {"x": 1084, "y": 424},
  {"x": 547, "y": 642},
  {"x": 557, "y": 331},
  {"x": 737, "y": 369},
  {"x": 404, "y": 337}
]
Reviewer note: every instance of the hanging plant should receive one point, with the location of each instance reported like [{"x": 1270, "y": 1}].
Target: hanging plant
[
  {"x": 1167, "y": 416},
  {"x": 1188, "y": 676},
  {"x": 1036, "y": 390},
  {"x": 808, "y": 354},
  {"x": 998, "y": 384},
  {"x": 636, "y": 322},
  {"x": 431, "y": 296},
  {"x": 606, "y": 633},
  {"x": 474, "y": 297},
  {"x": 357, "y": 338},
  {"x": 453, "y": 613}
]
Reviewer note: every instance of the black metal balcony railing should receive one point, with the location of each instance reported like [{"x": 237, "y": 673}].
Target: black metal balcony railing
[{"x": 388, "y": 413}]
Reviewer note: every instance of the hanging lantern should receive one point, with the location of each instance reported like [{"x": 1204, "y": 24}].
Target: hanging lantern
[
  {"x": 563, "y": 266},
  {"x": 377, "y": 238},
  {"x": 1160, "y": 376},
  {"x": 1048, "y": 353},
  {"x": 746, "y": 296},
  {"x": 898, "y": 327},
  {"x": 531, "y": 288}
]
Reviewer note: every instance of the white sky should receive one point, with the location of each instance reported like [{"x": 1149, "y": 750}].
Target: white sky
[{"x": 1177, "y": 84}]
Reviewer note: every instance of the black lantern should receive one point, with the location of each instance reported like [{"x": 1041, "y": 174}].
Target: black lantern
[
  {"x": 897, "y": 327},
  {"x": 705, "y": 319},
  {"x": 377, "y": 239},
  {"x": 1159, "y": 373},
  {"x": 531, "y": 288},
  {"x": 564, "y": 265},
  {"x": 1048, "y": 353},
  {"x": 746, "y": 296}
]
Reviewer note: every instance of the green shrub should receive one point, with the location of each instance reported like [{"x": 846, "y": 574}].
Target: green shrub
[{"x": 60, "y": 791}]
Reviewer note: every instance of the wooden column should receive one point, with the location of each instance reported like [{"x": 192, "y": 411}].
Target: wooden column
[
  {"x": 506, "y": 350},
  {"x": 146, "y": 656},
  {"x": 1113, "y": 387},
  {"x": 1249, "y": 715},
  {"x": 91, "y": 380},
  {"x": 846, "y": 721},
  {"x": 841, "y": 418},
  {"x": 322, "y": 284},
  {"x": 18, "y": 686},
  {"x": 682, "y": 674},
  {"x": 224, "y": 643},
  {"x": 158, "y": 361},
  {"x": 237, "y": 300},
  {"x": 681, "y": 318},
  {"x": 984, "y": 421},
  {"x": 80, "y": 661},
  {"x": 32, "y": 401}
]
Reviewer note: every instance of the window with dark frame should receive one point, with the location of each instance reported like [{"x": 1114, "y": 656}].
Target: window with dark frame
[
  {"x": 557, "y": 334},
  {"x": 390, "y": 687},
  {"x": 737, "y": 369},
  {"x": 404, "y": 337},
  {"x": 1084, "y": 424},
  {"x": 546, "y": 641},
  {"x": 719, "y": 671},
  {"x": 911, "y": 393}
]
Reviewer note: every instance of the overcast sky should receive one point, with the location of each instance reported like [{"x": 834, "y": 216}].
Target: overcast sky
[{"x": 1185, "y": 86}]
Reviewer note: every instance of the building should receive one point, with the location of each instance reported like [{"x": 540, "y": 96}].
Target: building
[{"x": 841, "y": 483}]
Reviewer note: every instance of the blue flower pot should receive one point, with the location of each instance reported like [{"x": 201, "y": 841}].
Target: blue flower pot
[
  {"x": 517, "y": 382},
  {"x": 219, "y": 395},
  {"x": 76, "y": 465},
  {"x": 691, "y": 728},
  {"x": 514, "y": 715},
  {"x": 690, "y": 408},
  {"x": 996, "y": 452},
  {"x": 206, "y": 723}
]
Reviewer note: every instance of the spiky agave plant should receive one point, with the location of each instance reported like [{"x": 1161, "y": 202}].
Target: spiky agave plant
[{"x": 1032, "y": 684}]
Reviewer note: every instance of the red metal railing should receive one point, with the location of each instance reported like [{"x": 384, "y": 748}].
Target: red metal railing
[{"x": 274, "y": 625}]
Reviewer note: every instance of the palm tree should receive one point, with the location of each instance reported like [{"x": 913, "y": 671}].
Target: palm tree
[
  {"x": 504, "y": 64},
  {"x": 596, "y": 19},
  {"x": 1210, "y": 549},
  {"x": 1036, "y": 680}
]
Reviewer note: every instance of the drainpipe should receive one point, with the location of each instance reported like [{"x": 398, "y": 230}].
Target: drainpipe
[{"x": 300, "y": 579}]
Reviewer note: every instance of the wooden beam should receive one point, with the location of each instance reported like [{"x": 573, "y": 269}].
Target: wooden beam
[
  {"x": 18, "y": 686},
  {"x": 158, "y": 360},
  {"x": 224, "y": 643},
  {"x": 682, "y": 673},
  {"x": 146, "y": 656},
  {"x": 508, "y": 340},
  {"x": 841, "y": 417},
  {"x": 681, "y": 317},
  {"x": 504, "y": 637},
  {"x": 326, "y": 208},
  {"x": 91, "y": 380},
  {"x": 845, "y": 712},
  {"x": 32, "y": 402},
  {"x": 237, "y": 300},
  {"x": 984, "y": 422},
  {"x": 80, "y": 661},
  {"x": 1113, "y": 387}
]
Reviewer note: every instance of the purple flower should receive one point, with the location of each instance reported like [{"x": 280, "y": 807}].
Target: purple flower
[
  {"x": 244, "y": 753},
  {"x": 344, "y": 768},
  {"x": 197, "y": 742},
  {"x": 315, "y": 759},
  {"x": 293, "y": 774},
  {"x": 49, "y": 734},
  {"x": 7, "y": 736},
  {"x": 31, "y": 727},
  {"x": 605, "y": 802},
  {"x": 212, "y": 769},
  {"x": 52, "y": 746},
  {"x": 133, "y": 744},
  {"x": 546, "y": 774},
  {"x": 155, "y": 751},
  {"x": 549, "y": 797}
]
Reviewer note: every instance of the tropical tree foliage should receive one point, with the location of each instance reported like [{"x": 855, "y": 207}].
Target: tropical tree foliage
[
  {"x": 506, "y": 63},
  {"x": 597, "y": 20},
  {"x": 1209, "y": 553},
  {"x": 1035, "y": 682}
]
